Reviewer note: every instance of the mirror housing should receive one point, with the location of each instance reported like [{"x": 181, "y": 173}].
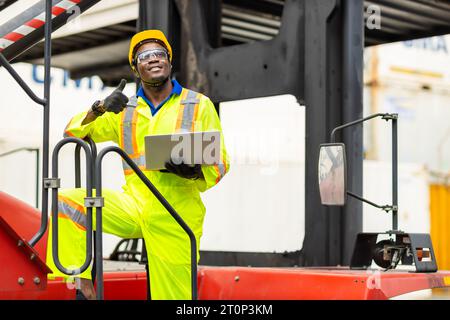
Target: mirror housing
[{"x": 332, "y": 174}]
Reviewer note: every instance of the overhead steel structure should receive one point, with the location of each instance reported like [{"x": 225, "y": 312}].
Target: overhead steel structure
[
  {"x": 235, "y": 49},
  {"x": 233, "y": 22}
]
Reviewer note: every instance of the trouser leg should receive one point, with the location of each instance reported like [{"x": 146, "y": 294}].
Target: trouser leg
[
  {"x": 169, "y": 259},
  {"x": 169, "y": 281},
  {"x": 120, "y": 217}
]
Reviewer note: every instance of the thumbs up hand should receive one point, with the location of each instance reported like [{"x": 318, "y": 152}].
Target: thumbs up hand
[{"x": 116, "y": 101}]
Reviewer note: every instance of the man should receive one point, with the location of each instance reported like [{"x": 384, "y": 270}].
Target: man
[{"x": 161, "y": 106}]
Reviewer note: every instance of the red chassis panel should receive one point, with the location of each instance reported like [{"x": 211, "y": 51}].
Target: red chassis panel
[
  {"x": 20, "y": 222},
  {"x": 312, "y": 283},
  {"x": 242, "y": 283}
]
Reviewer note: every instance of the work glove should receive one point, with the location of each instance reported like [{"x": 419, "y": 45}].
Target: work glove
[
  {"x": 116, "y": 101},
  {"x": 183, "y": 170}
]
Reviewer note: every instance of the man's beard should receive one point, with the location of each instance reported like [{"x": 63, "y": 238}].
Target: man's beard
[{"x": 156, "y": 82}]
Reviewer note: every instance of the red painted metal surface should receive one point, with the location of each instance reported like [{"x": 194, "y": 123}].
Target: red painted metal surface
[
  {"x": 24, "y": 219},
  {"x": 126, "y": 285},
  {"x": 118, "y": 286},
  {"x": 242, "y": 283},
  {"x": 20, "y": 221},
  {"x": 312, "y": 283},
  {"x": 23, "y": 274}
]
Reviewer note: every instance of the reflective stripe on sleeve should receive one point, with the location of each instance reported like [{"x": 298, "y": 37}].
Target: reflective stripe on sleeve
[
  {"x": 221, "y": 170},
  {"x": 67, "y": 133}
]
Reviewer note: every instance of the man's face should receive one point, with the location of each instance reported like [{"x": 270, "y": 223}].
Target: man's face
[{"x": 153, "y": 69}]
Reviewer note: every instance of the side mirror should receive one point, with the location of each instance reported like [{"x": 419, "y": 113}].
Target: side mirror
[{"x": 332, "y": 174}]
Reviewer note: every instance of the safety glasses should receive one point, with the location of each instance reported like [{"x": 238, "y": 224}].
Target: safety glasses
[{"x": 157, "y": 54}]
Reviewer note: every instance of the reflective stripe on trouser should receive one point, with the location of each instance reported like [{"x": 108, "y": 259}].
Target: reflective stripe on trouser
[{"x": 122, "y": 217}]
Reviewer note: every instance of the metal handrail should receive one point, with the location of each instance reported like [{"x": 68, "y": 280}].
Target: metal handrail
[
  {"x": 45, "y": 102},
  {"x": 78, "y": 183},
  {"x": 78, "y": 160},
  {"x": 161, "y": 199},
  {"x": 37, "y": 167},
  {"x": 20, "y": 81},
  {"x": 55, "y": 188},
  {"x": 46, "y": 129}
]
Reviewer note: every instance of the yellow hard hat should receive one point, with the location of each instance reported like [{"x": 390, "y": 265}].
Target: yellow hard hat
[{"x": 142, "y": 37}]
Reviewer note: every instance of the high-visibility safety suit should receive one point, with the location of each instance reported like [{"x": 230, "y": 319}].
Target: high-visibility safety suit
[{"x": 135, "y": 212}]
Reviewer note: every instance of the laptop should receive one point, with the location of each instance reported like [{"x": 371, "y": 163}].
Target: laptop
[{"x": 190, "y": 147}]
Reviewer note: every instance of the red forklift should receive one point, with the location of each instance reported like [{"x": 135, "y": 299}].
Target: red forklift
[{"x": 23, "y": 229}]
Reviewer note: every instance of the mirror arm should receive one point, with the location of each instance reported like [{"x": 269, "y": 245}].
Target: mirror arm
[
  {"x": 385, "y": 116},
  {"x": 386, "y": 208}
]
